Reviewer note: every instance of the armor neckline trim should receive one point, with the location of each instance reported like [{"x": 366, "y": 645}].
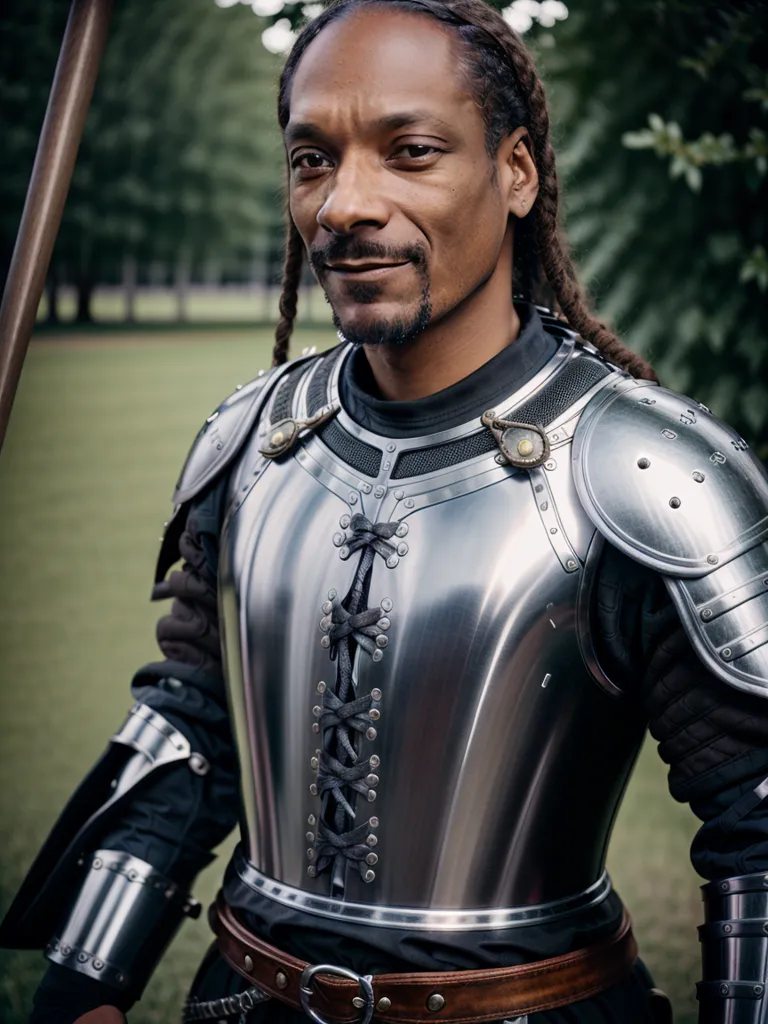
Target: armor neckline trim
[{"x": 419, "y": 919}]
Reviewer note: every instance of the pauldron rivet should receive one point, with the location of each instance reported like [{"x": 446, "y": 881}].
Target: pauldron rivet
[
  {"x": 82, "y": 958},
  {"x": 675, "y": 503},
  {"x": 281, "y": 980},
  {"x": 369, "y": 876},
  {"x": 539, "y": 488},
  {"x": 97, "y": 863},
  {"x": 724, "y": 990},
  {"x": 372, "y": 858},
  {"x": 501, "y": 460},
  {"x": 571, "y": 565},
  {"x": 373, "y": 822},
  {"x": 713, "y": 559},
  {"x": 550, "y": 464},
  {"x": 375, "y": 714},
  {"x": 98, "y": 964},
  {"x": 727, "y": 928},
  {"x": 698, "y": 477},
  {"x": 384, "y": 1003},
  {"x": 435, "y": 1002},
  {"x": 643, "y": 463},
  {"x": 544, "y": 506},
  {"x": 376, "y": 693},
  {"x": 370, "y": 733},
  {"x": 758, "y": 990},
  {"x": 553, "y": 530}
]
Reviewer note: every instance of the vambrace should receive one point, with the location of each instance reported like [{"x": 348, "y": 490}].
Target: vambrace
[
  {"x": 121, "y": 922},
  {"x": 145, "y": 744},
  {"x": 734, "y": 941}
]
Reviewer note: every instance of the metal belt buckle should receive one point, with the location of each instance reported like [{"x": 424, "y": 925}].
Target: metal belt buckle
[{"x": 363, "y": 1002}]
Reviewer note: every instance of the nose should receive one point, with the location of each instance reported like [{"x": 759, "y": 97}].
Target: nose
[{"x": 354, "y": 201}]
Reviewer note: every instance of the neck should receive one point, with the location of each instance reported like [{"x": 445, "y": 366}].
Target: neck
[{"x": 453, "y": 347}]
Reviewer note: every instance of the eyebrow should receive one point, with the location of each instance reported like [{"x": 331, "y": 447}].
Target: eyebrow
[{"x": 390, "y": 122}]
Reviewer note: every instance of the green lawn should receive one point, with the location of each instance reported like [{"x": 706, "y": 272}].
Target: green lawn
[{"x": 99, "y": 431}]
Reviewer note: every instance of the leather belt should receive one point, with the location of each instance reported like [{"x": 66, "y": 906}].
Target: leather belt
[{"x": 330, "y": 993}]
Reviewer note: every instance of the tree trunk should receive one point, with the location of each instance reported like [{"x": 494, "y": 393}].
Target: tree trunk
[
  {"x": 129, "y": 288},
  {"x": 84, "y": 296},
  {"x": 52, "y": 294}
]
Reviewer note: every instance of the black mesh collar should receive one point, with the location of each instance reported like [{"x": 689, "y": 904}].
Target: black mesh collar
[{"x": 513, "y": 367}]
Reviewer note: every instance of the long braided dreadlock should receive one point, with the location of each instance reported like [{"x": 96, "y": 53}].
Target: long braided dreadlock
[{"x": 510, "y": 93}]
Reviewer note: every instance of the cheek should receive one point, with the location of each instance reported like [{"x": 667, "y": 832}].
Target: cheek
[{"x": 467, "y": 234}]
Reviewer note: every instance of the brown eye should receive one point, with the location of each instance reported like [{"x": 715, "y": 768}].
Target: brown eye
[{"x": 309, "y": 163}]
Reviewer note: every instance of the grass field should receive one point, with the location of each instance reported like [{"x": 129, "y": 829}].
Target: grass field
[{"x": 99, "y": 431}]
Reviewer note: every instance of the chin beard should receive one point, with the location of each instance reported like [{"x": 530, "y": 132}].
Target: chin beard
[{"x": 388, "y": 332}]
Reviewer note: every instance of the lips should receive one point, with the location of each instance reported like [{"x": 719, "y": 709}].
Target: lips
[{"x": 360, "y": 269}]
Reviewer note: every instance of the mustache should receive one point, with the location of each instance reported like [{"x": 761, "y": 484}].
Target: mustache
[{"x": 350, "y": 248}]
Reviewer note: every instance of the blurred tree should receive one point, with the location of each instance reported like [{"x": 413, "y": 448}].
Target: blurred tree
[
  {"x": 673, "y": 249},
  {"x": 180, "y": 160}
]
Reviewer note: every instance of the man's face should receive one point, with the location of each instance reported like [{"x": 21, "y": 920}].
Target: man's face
[{"x": 391, "y": 186}]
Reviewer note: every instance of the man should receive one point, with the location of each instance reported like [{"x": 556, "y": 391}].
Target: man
[{"x": 518, "y": 551}]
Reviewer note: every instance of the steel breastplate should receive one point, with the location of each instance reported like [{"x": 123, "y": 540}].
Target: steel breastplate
[{"x": 492, "y": 757}]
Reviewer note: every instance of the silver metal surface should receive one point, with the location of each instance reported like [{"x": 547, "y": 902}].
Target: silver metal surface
[
  {"x": 408, "y": 919},
  {"x": 122, "y": 919},
  {"x": 486, "y": 776},
  {"x": 679, "y": 492},
  {"x": 364, "y": 981},
  {"x": 734, "y": 946},
  {"x": 155, "y": 741},
  {"x": 666, "y": 482}
]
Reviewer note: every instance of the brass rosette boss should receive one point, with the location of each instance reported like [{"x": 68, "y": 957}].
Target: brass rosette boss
[{"x": 283, "y": 435}]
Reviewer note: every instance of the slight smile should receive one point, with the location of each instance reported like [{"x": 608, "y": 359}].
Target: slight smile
[{"x": 364, "y": 270}]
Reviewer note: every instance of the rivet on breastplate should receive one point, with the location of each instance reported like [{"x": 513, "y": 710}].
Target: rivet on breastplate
[
  {"x": 352, "y": 498},
  {"x": 371, "y": 840},
  {"x": 571, "y": 565},
  {"x": 402, "y": 530},
  {"x": 377, "y": 656},
  {"x": 399, "y": 494},
  {"x": 313, "y": 789},
  {"x": 374, "y": 760},
  {"x": 369, "y": 876},
  {"x": 376, "y": 693},
  {"x": 435, "y": 1002},
  {"x": 325, "y": 641},
  {"x": 384, "y": 623},
  {"x": 372, "y": 858},
  {"x": 344, "y": 553},
  {"x": 344, "y": 522},
  {"x": 402, "y": 549},
  {"x": 550, "y": 464},
  {"x": 409, "y": 502},
  {"x": 313, "y": 763},
  {"x": 391, "y": 446},
  {"x": 317, "y": 711},
  {"x": 311, "y": 870},
  {"x": 366, "y": 488},
  {"x": 386, "y": 604},
  {"x": 370, "y": 733},
  {"x": 315, "y": 727},
  {"x": 372, "y": 780},
  {"x": 373, "y": 822},
  {"x": 321, "y": 687},
  {"x": 331, "y": 594},
  {"x": 392, "y": 561},
  {"x": 375, "y": 714},
  {"x": 310, "y": 837},
  {"x": 310, "y": 854},
  {"x": 379, "y": 491},
  {"x": 311, "y": 819},
  {"x": 339, "y": 539},
  {"x": 371, "y": 795}
]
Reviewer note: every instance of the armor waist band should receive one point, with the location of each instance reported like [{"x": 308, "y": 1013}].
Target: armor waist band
[{"x": 418, "y": 918}]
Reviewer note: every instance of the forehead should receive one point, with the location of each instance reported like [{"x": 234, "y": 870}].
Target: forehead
[{"x": 376, "y": 62}]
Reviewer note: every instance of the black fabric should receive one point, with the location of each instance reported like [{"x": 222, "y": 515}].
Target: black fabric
[
  {"x": 511, "y": 368},
  {"x": 355, "y": 453},
  {"x": 625, "y": 1003},
  {"x": 63, "y": 996}
]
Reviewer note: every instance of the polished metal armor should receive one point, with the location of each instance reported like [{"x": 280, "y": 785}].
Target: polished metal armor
[{"x": 479, "y": 754}]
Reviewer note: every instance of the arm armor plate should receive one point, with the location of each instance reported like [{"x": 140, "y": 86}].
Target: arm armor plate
[
  {"x": 121, "y": 922},
  {"x": 217, "y": 444},
  {"x": 734, "y": 948},
  {"x": 146, "y": 744},
  {"x": 678, "y": 491}
]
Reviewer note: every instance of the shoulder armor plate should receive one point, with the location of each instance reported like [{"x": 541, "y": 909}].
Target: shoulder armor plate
[
  {"x": 680, "y": 492},
  {"x": 224, "y": 432}
]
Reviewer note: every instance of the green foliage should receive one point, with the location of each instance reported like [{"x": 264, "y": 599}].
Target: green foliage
[
  {"x": 180, "y": 157},
  {"x": 669, "y": 222}
]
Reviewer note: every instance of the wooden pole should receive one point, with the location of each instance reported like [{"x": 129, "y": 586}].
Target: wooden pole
[{"x": 68, "y": 103}]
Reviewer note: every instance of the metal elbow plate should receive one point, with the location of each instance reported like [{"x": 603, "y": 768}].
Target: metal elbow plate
[
  {"x": 680, "y": 492},
  {"x": 124, "y": 916}
]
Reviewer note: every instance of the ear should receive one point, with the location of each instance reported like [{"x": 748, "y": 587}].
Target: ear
[{"x": 518, "y": 176}]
